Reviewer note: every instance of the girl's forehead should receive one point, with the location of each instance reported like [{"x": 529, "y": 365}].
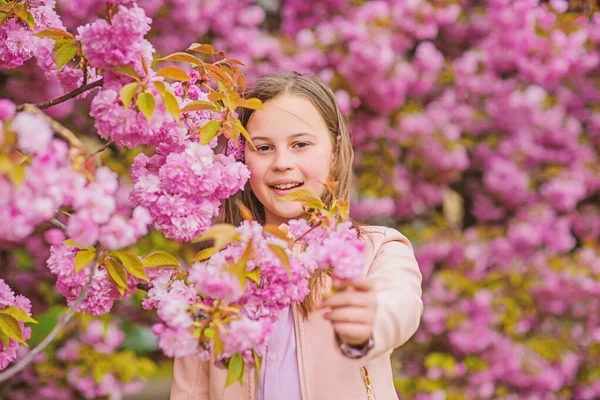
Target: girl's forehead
[{"x": 287, "y": 114}]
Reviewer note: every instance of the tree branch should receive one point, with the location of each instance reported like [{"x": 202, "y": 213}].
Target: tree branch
[
  {"x": 65, "y": 97},
  {"x": 62, "y": 322},
  {"x": 57, "y": 224},
  {"x": 98, "y": 151}
]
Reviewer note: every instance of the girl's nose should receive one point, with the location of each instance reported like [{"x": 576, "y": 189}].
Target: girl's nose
[{"x": 282, "y": 160}]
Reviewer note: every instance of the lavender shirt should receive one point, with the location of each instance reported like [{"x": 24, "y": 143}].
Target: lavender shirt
[{"x": 279, "y": 376}]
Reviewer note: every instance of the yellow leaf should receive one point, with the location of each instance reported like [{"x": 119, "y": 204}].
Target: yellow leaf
[
  {"x": 274, "y": 230},
  {"x": 343, "y": 209},
  {"x": 282, "y": 255},
  {"x": 200, "y": 105},
  {"x": 10, "y": 326},
  {"x": 18, "y": 313},
  {"x": 205, "y": 254},
  {"x": 239, "y": 268},
  {"x": 132, "y": 263},
  {"x": 20, "y": 11},
  {"x": 160, "y": 259},
  {"x": 71, "y": 243},
  {"x": 218, "y": 74},
  {"x": 3, "y": 336},
  {"x": 202, "y": 48},
  {"x": 215, "y": 96},
  {"x": 237, "y": 124},
  {"x": 146, "y": 104},
  {"x": 254, "y": 275},
  {"x": 235, "y": 369},
  {"x": 252, "y": 104},
  {"x": 305, "y": 197},
  {"x": 257, "y": 360},
  {"x": 30, "y": 20},
  {"x": 117, "y": 274},
  {"x": 244, "y": 211},
  {"x": 54, "y": 33},
  {"x": 83, "y": 258},
  {"x": 174, "y": 73},
  {"x": 218, "y": 345},
  {"x": 160, "y": 86},
  {"x": 221, "y": 234},
  {"x": 3, "y": 18},
  {"x": 65, "y": 53},
  {"x": 170, "y": 102},
  {"x": 17, "y": 174},
  {"x": 127, "y": 71},
  {"x": 181, "y": 57},
  {"x": 127, "y": 93},
  {"x": 209, "y": 130}
]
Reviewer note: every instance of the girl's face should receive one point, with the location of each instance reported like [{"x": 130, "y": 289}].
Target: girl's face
[{"x": 293, "y": 150}]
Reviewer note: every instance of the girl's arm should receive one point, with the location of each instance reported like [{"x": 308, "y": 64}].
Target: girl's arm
[
  {"x": 190, "y": 379},
  {"x": 397, "y": 284}
]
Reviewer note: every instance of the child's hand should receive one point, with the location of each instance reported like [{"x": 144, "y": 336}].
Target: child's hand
[{"x": 352, "y": 310}]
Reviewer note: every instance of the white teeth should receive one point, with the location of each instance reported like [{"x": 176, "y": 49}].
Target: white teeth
[{"x": 286, "y": 186}]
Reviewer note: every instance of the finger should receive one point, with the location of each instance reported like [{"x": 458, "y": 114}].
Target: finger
[
  {"x": 350, "y": 314},
  {"x": 364, "y": 284},
  {"x": 353, "y": 333},
  {"x": 346, "y": 299}
]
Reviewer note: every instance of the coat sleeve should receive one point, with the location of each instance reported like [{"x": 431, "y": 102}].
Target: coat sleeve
[
  {"x": 190, "y": 379},
  {"x": 397, "y": 282}
]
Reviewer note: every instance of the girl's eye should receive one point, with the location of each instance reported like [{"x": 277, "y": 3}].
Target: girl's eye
[
  {"x": 302, "y": 145},
  {"x": 263, "y": 148}
]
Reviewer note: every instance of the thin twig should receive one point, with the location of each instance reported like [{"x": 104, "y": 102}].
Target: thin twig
[
  {"x": 57, "y": 224},
  {"x": 65, "y": 97},
  {"x": 98, "y": 151},
  {"x": 62, "y": 322}
]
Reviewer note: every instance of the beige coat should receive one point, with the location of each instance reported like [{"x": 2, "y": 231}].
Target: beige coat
[{"x": 326, "y": 374}]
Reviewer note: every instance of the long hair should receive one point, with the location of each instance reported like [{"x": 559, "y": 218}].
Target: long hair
[{"x": 321, "y": 96}]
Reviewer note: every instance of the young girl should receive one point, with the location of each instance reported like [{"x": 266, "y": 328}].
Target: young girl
[{"x": 328, "y": 347}]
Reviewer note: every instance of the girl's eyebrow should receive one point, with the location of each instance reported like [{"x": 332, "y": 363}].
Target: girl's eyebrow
[{"x": 291, "y": 136}]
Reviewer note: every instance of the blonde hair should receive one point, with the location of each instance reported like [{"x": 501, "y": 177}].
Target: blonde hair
[{"x": 321, "y": 96}]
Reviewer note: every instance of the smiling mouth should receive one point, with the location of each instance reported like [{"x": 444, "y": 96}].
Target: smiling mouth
[{"x": 286, "y": 186}]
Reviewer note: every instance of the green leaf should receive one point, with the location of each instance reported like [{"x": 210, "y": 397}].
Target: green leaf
[
  {"x": 30, "y": 20},
  {"x": 65, "y": 53},
  {"x": 174, "y": 73},
  {"x": 10, "y": 326},
  {"x": 83, "y": 258},
  {"x": 3, "y": 17},
  {"x": 127, "y": 93},
  {"x": 47, "y": 322},
  {"x": 202, "y": 48},
  {"x": 160, "y": 259},
  {"x": 181, "y": 57},
  {"x": 170, "y": 102},
  {"x": 305, "y": 197},
  {"x": 209, "y": 333},
  {"x": 146, "y": 104},
  {"x": 54, "y": 33},
  {"x": 132, "y": 263},
  {"x": 117, "y": 274},
  {"x": 200, "y": 105},
  {"x": 282, "y": 255},
  {"x": 209, "y": 131},
  {"x": 127, "y": 71},
  {"x": 18, "y": 313},
  {"x": 235, "y": 370}
]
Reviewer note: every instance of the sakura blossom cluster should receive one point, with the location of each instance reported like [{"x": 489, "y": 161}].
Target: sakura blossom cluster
[
  {"x": 8, "y": 353},
  {"x": 183, "y": 189}
]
